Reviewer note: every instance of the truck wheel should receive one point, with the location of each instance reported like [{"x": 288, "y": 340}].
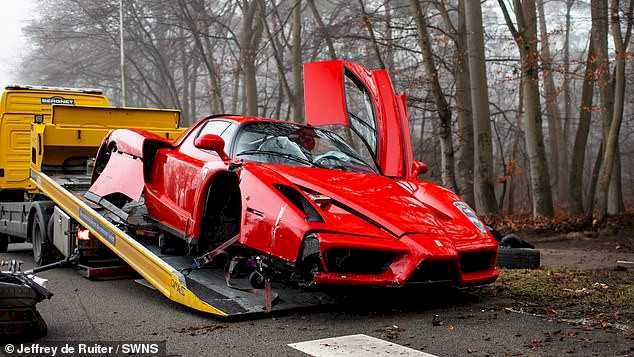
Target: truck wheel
[
  {"x": 518, "y": 258},
  {"x": 39, "y": 238},
  {"x": 21, "y": 324},
  {"x": 4, "y": 243}
]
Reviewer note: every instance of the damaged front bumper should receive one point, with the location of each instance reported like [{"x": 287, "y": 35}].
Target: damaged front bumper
[{"x": 413, "y": 259}]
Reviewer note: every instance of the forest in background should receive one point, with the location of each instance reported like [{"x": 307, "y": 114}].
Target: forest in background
[{"x": 520, "y": 106}]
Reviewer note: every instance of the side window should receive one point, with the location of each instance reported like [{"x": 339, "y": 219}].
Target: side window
[
  {"x": 216, "y": 127},
  {"x": 361, "y": 113}
]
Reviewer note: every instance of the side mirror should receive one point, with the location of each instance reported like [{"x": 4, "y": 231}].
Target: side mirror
[
  {"x": 212, "y": 142},
  {"x": 419, "y": 168}
]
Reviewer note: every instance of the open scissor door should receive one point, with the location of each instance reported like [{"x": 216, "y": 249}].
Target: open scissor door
[{"x": 341, "y": 93}]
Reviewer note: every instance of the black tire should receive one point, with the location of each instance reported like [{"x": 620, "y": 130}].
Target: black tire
[
  {"x": 39, "y": 238},
  {"x": 4, "y": 243},
  {"x": 14, "y": 294},
  {"x": 518, "y": 258},
  {"x": 256, "y": 280},
  {"x": 21, "y": 324}
]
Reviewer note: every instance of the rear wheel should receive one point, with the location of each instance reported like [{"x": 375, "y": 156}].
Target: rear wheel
[{"x": 39, "y": 239}]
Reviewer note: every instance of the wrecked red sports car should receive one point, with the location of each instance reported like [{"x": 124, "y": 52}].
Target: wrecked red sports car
[{"x": 336, "y": 201}]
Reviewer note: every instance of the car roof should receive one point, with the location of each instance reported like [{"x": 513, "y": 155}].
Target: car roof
[{"x": 242, "y": 119}]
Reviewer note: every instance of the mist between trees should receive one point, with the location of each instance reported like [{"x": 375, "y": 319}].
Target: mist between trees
[{"x": 519, "y": 105}]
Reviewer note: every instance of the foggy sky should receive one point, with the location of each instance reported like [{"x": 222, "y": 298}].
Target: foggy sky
[{"x": 14, "y": 15}]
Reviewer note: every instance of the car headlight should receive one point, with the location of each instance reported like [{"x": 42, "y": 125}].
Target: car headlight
[{"x": 471, "y": 215}]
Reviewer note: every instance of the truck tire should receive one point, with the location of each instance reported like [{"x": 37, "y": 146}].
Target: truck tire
[
  {"x": 19, "y": 319},
  {"x": 4, "y": 243},
  {"x": 40, "y": 240},
  {"x": 518, "y": 258},
  {"x": 21, "y": 324},
  {"x": 14, "y": 294}
]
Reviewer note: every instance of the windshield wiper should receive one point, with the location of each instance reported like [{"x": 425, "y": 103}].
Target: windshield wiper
[
  {"x": 276, "y": 153},
  {"x": 334, "y": 137},
  {"x": 363, "y": 163}
]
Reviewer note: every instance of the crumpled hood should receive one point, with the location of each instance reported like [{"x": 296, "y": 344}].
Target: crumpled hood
[{"x": 400, "y": 207}]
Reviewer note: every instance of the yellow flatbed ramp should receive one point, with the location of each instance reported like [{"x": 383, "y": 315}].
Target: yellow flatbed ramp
[{"x": 204, "y": 290}]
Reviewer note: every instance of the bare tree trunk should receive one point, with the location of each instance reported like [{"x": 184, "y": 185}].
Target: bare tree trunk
[
  {"x": 540, "y": 178},
  {"x": 599, "y": 10},
  {"x": 511, "y": 180},
  {"x": 370, "y": 28},
  {"x": 185, "y": 64},
  {"x": 389, "y": 52},
  {"x": 421, "y": 141},
  {"x": 199, "y": 30},
  {"x": 594, "y": 178},
  {"x": 322, "y": 28},
  {"x": 526, "y": 39},
  {"x": 581, "y": 138},
  {"x": 444, "y": 112},
  {"x": 278, "y": 55},
  {"x": 193, "y": 87},
  {"x": 278, "y": 104},
  {"x": 465, "y": 152},
  {"x": 615, "y": 195},
  {"x": 250, "y": 35},
  {"x": 483, "y": 163},
  {"x": 243, "y": 94},
  {"x": 557, "y": 169},
  {"x": 516, "y": 146},
  {"x": 616, "y": 205},
  {"x": 565, "y": 135},
  {"x": 236, "y": 91},
  {"x": 298, "y": 89}
]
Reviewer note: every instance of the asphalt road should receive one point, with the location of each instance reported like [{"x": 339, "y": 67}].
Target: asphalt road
[{"x": 470, "y": 325}]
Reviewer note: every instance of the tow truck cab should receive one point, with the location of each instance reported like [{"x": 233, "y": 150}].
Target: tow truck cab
[{"x": 22, "y": 106}]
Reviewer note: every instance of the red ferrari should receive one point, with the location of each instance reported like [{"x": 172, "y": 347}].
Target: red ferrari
[{"x": 336, "y": 201}]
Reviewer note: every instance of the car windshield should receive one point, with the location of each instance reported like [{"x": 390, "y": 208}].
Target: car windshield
[{"x": 293, "y": 144}]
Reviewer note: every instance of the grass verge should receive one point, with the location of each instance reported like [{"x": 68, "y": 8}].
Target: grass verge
[{"x": 602, "y": 297}]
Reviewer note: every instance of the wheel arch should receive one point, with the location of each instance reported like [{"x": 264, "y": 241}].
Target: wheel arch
[{"x": 223, "y": 180}]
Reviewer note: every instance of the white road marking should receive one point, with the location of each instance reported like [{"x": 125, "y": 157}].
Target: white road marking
[{"x": 355, "y": 346}]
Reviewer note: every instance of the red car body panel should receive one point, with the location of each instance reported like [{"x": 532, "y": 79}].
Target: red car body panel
[
  {"x": 109, "y": 181},
  {"x": 126, "y": 158},
  {"x": 416, "y": 230}
]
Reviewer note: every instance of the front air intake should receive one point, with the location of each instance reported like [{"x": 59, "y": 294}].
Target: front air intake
[
  {"x": 358, "y": 261},
  {"x": 477, "y": 261},
  {"x": 434, "y": 271}
]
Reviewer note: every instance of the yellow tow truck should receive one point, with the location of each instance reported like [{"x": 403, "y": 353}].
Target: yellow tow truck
[{"x": 48, "y": 139}]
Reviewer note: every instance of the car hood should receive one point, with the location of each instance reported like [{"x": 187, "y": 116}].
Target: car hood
[{"x": 398, "y": 206}]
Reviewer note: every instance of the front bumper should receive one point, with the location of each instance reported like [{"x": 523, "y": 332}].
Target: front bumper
[{"x": 413, "y": 259}]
